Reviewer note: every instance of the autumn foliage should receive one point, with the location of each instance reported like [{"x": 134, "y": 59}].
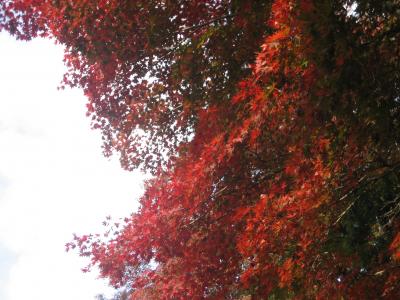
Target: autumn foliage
[{"x": 271, "y": 129}]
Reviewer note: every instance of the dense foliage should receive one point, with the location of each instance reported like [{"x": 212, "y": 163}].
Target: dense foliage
[{"x": 272, "y": 132}]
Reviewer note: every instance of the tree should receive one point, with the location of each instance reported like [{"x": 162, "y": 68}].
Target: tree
[{"x": 272, "y": 132}]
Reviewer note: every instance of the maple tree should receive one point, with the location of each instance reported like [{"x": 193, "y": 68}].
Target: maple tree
[{"x": 271, "y": 129}]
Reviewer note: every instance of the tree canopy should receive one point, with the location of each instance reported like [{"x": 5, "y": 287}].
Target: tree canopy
[{"x": 271, "y": 129}]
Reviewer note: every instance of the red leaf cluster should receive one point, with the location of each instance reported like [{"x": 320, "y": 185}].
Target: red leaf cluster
[{"x": 271, "y": 129}]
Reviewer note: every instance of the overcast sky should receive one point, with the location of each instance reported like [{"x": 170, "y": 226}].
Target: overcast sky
[{"x": 54, "y": 180}]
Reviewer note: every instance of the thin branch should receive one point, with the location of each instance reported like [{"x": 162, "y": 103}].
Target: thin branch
[
  {"x": 362, "y": 182},
  {"x": 390, "y": 33},
  {"x": 197, "y": 26},
  {"x": 345, "y": 212}
]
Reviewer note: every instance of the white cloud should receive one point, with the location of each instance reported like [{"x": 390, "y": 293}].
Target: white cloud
[{"x": 55, "y": 180}]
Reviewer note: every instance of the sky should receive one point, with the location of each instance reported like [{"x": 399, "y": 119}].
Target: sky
[{"x": 54, "y": 180}]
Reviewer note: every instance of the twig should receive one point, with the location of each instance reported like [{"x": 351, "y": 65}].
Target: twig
[
  {"x": 344, "y": 212},
  {"x": 227, "y": 16}
]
